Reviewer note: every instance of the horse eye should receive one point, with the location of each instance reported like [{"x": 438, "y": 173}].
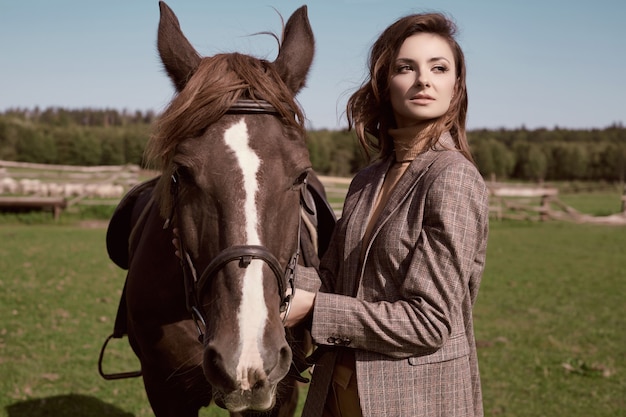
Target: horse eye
[
  {"x": 301, "y": 179},
  {"x": 184, "y": 174}
]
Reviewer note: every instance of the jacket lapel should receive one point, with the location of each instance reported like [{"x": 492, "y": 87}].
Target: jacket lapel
[
  {"x": 409, "y": 181},
  {"x": 364, "y": 201},
  {"x": 357, "y": 222}
]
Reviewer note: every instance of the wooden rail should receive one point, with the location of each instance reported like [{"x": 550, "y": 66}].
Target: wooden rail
[{"x": 53, "y": 204}]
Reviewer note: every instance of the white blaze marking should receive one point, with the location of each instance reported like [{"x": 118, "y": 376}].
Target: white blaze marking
[{"x": 252, "y": 311}]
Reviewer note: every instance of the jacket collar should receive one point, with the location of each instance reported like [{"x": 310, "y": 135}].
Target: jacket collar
[{"x": 414, "y": 173}]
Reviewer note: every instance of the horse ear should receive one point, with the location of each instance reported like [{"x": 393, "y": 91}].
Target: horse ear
[
  {"x": 296, "y": 52},
  {"x": 179, "y": 58}
]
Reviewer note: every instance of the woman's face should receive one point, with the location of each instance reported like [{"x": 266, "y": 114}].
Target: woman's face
[{"x": 422, "y": 79}]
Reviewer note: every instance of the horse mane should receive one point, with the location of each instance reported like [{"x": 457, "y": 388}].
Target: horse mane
[{"x": 217, "y": 83}]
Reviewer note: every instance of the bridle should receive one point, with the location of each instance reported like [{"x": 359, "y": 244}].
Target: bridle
[{"x": 244, "y": 254}]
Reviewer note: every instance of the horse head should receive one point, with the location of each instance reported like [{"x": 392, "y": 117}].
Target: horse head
[{"x": 231, "y": 147}]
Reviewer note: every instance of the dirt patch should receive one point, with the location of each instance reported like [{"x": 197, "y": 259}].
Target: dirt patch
[{"x": 94, "y": 224}]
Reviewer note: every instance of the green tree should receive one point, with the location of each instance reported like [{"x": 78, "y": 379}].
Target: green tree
[
  {"x": 9, "y": 136},
  {"x": 503, "y": 160},
  {"x": 530, "y": 161},
  {"x": 613, "y": 160},
  {"x": 35, "y": 145},
  {"x": 112, "y": 145},
  {"x": 135, "y": 139},
  {"x": 483, "y": 155},
  {"x": 493, "y": 158}
]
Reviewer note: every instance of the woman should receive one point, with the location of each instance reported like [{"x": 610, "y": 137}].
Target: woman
[{"x": 393, "y": 315}]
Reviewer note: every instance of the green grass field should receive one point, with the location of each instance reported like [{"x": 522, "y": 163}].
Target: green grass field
[
  {"x": 551, "y": 320},
  {"x": 550, "y": 323}
]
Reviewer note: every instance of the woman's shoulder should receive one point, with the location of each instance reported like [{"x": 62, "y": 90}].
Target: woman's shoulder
[
  {"x": 369, "y": 173},
  {"x": 452, "y": 160},
  {"x": 452, "y": 168}
]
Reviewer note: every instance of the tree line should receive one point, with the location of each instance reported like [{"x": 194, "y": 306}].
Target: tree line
[{"x": 110, "y": 137}]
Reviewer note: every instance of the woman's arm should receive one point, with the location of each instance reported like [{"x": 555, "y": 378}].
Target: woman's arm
[{"x": 419, "y": 319}]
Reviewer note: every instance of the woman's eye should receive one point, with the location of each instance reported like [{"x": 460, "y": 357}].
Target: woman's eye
[
  {"x": 403, "y": 68},
  {"x": 440, "y": 68}
]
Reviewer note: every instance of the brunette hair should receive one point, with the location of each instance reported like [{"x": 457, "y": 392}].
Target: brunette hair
[{"x": 369, "y": 109}]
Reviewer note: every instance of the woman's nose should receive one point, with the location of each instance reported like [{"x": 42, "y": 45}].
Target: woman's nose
[{"x": 421, "y": 79}]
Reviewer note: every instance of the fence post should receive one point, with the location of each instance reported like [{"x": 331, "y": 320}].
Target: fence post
[{"x": 545, "y": 208}]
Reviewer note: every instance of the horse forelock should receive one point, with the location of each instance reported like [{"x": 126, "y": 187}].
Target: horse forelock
[{"x": 218, "y": 82}]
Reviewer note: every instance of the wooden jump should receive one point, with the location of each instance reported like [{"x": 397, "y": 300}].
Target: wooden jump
[{"x": 53, "y": 204}]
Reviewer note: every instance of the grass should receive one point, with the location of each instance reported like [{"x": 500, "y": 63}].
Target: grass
[
  {"x": 594, "y": 203},
  {"x": 59, "y": 297},
  {"x": 550, "y": 322}
]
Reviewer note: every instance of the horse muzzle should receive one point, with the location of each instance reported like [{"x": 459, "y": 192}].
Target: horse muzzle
[{"x": 246, "y": 383}]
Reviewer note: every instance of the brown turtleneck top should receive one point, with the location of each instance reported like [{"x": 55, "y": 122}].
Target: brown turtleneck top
[{"x": 407, "y": 145}]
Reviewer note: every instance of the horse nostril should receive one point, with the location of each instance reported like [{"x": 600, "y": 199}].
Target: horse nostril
[
  {"x": 215, "y": 370},
  {"x": 284, "y": 357}
]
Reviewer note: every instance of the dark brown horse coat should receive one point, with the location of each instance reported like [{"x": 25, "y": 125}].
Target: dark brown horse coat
[{"x": 231, "y": 149}]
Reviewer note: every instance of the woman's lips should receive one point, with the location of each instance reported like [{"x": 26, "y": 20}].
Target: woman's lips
[{"x": 422, "y": 99}]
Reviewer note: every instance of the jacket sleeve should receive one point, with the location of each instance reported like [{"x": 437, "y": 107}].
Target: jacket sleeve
[{"x": 430, "y": 290}]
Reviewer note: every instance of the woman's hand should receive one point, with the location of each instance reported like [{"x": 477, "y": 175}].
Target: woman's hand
[{"x": 301, "y": 306}]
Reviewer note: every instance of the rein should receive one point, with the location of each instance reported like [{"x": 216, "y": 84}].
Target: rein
[{"x": 242, "y": 253}]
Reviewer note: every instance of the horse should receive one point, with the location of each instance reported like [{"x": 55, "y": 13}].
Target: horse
[{"x": 236, "y": 183}]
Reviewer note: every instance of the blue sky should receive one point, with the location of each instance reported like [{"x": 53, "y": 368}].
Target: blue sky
[{"x": 533, "y": 63}]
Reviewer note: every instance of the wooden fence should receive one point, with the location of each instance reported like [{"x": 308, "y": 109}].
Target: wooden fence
[
  {"x": 524, "y": 202},
  {"x": 29, "y": 186}
]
